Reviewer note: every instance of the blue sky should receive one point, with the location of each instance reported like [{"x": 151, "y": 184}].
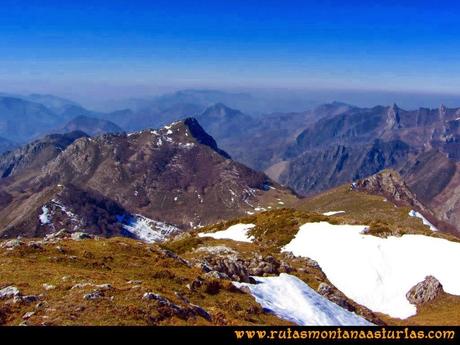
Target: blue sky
[{"x": 369, "y": 45}]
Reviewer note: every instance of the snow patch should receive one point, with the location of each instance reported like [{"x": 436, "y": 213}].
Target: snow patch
[
  {"x": 378, "y": 272},
  {"x": 291, "y": 299},
  {"x": 331, "y": 213},
  {"x": 147, "y": 229},
  {"x": 425, "y": 221},
  {"x": 73, "y": 217},
  {"x": 44, "y": 216},
  {"x": 237, "y": 232},
  {"x": 49, "y": 210}
]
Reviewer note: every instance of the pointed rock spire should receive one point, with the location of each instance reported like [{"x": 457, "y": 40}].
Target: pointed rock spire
[{"x": 393, "y": 119}]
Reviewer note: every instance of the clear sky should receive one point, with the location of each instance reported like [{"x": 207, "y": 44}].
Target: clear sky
[{"x": 388, "y": 45}]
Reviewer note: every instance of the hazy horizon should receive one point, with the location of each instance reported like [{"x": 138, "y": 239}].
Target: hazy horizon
[{"x": 285, "y": 100}]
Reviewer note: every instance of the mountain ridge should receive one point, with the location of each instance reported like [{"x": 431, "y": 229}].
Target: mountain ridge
[{"x": 176, "y": 174}]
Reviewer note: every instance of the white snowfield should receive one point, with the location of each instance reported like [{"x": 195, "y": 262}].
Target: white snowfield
[
  {"x": 378, "y": 272},
  {"x": 237, "y": 232},
  {"x": 291, "y": 299},
  {"x": 331, "y": 213},
  {"x": 425, "y": 221}
]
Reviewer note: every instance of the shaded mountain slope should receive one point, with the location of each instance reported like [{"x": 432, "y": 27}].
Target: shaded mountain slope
[
  {"x": 176, "y": 174},
  {"x": 37, "y": 154},
  {"x": 90, "y": 125},
  {"x": 22, "y": 120}
]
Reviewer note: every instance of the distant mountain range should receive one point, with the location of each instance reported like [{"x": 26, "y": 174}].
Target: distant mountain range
[
  {"x": 81, "y": 203},
  {"x": 310, "y": 151},
  {"x": 91, "y": 126},
  {"x": 338, "y": 143}
]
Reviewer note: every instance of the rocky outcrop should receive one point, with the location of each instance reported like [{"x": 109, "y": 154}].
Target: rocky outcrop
[
  {"x": 336, "y": 296},
  {"x": 237, "y": 269},
  {"x": 233, "y": 268},
  {"x": 166, "y": 308},
  {"x": 425, "y": 291},
  {"x": 389, "y": 183}
]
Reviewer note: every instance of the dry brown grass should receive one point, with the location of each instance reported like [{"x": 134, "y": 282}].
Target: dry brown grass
[{"x": 113, "y": 261}]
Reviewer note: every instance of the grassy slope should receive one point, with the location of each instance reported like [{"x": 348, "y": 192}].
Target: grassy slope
[
  {"x": 382, "y": 216},
  {"x": 117, "y": 260},
  {"x": 276, "y": 228},
  {"x": 113, "y": 261}
]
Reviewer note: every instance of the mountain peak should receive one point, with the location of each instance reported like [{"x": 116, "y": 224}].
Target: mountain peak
[
  {"x": 220, "y": 110},
  {"x": 184, "y": 132},
  {"x": 201, "y": 136}
]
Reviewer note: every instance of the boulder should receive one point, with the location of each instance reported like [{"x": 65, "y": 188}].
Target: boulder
[
  {"x": 55, "y": 236},
  {"x": 425, "y": 291},
  {"x": 25, "y": 299},
  {"x": 150, "y": 296},
  {"x": 104, "y": 287},
  {"x": 37, "y": 245},
  {"x": 28, "y": 315},
  {"x": 94, "y": 295},
  {"x": 325, "y": 289},
  {"x": 9, "y": 292},
  {"x": 216, "y": 275},
  {"x": 11, "y": 244},
  {"x": 78, "y": 236}
]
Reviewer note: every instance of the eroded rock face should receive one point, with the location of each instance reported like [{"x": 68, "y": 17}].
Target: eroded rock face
[
  {"x": 425, "y": 291},
  {"x": 390, "y": 184}
]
